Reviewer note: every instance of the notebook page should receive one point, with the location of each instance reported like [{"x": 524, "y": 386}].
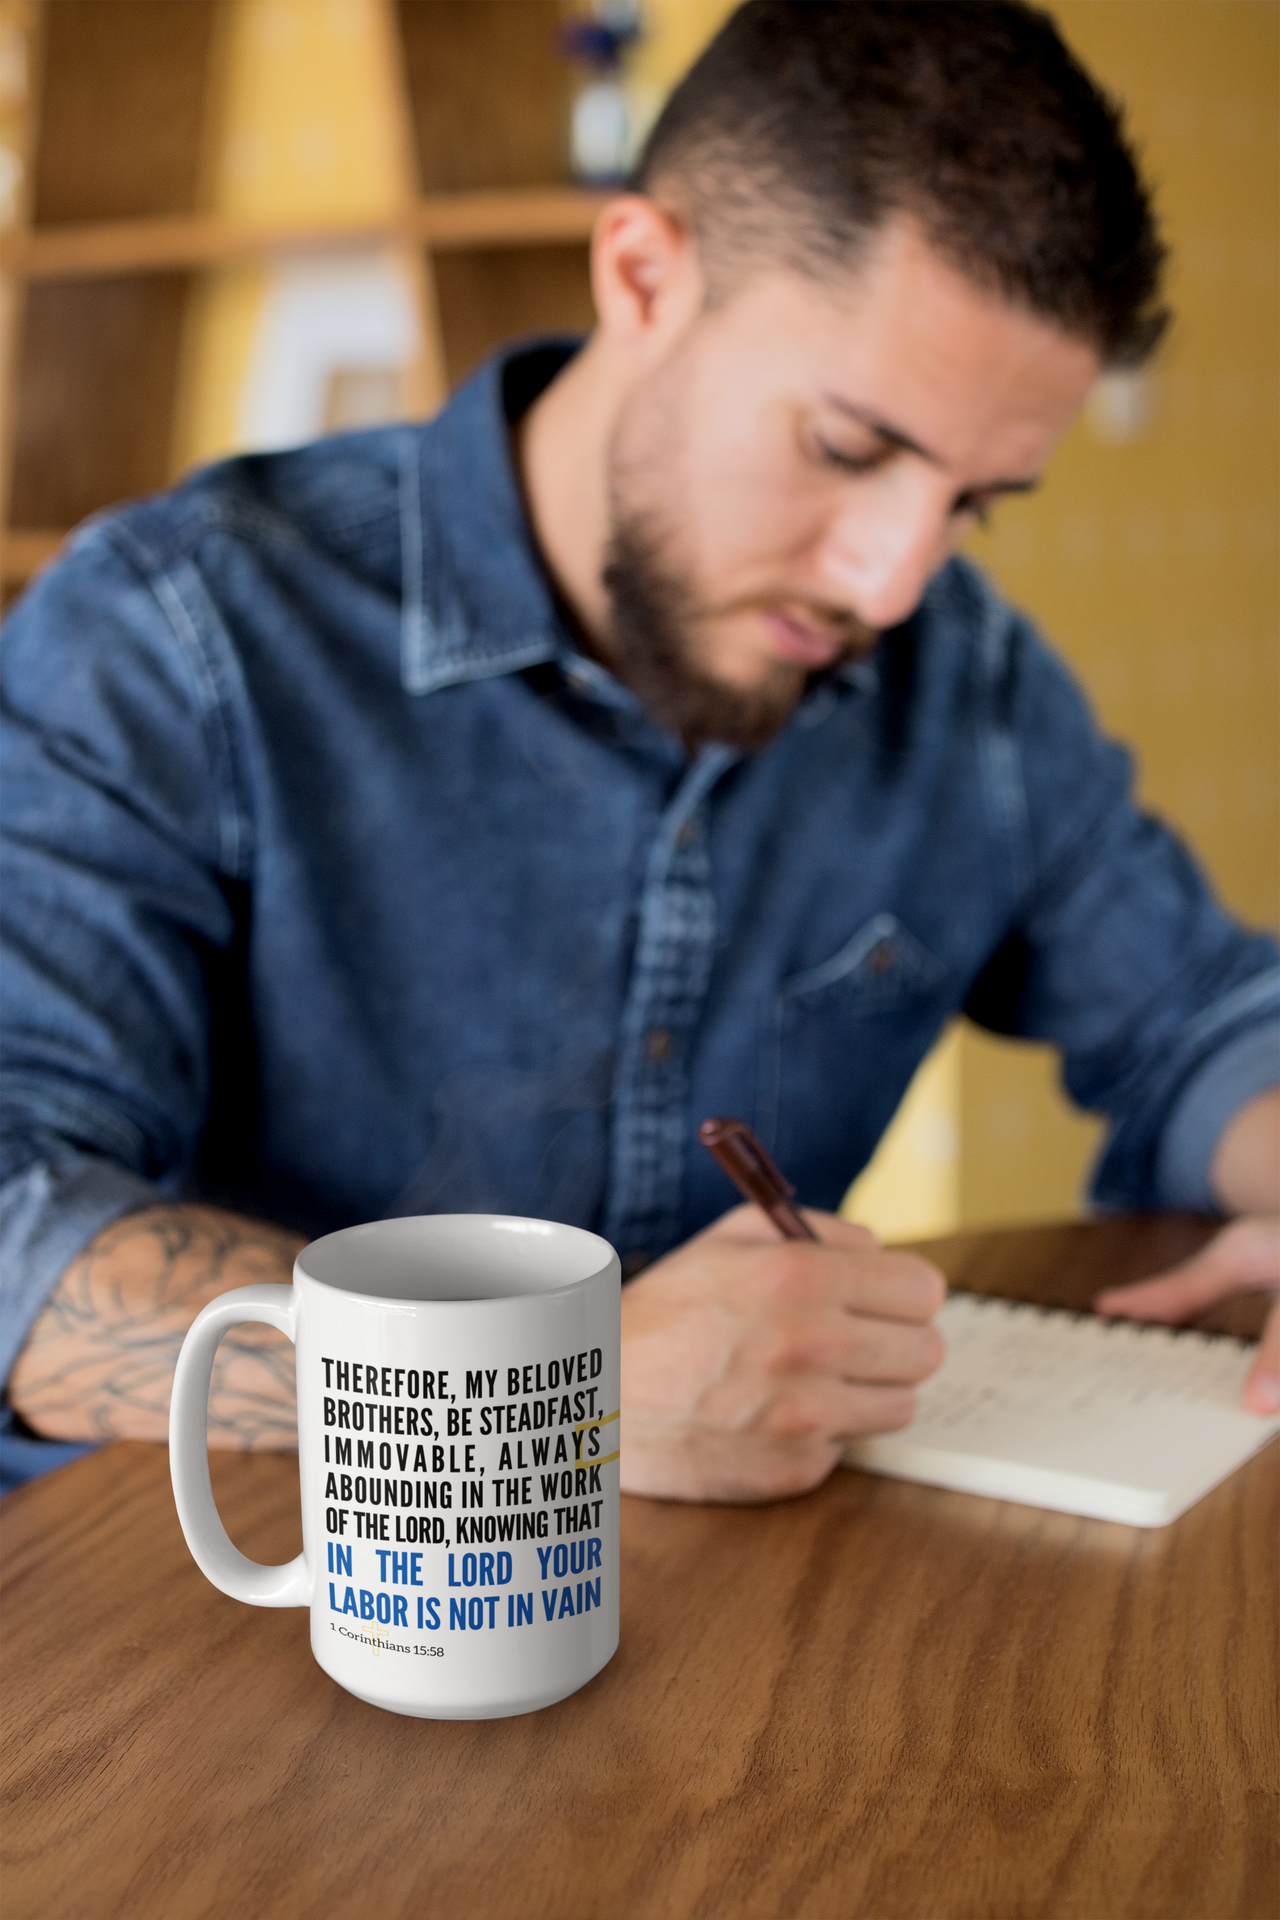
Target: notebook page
[{"x": 1110, "y": 1418}]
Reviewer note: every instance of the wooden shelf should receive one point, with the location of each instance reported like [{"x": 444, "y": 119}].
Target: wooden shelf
[
  {"x": 502, "y": 217},
  {"x": 100, "y": 274},
  {"x": 496, "y": 217},
  {"x": 23, "y": 551}
]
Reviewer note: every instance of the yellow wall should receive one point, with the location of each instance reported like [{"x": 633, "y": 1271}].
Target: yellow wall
[{"x": 1152, "y": 563}]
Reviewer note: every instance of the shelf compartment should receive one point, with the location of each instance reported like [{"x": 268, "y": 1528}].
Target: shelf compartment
[
  {"x": 121, "y": 117},
  {"x": 489, "y": 92},
  {"x": 488, "y": 296},
  {"x": 96, "y": 380}
]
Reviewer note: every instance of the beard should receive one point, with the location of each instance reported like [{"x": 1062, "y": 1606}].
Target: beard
[{"x": 654, "y": 615}]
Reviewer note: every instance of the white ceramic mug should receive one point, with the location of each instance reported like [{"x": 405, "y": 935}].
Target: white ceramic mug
[{"x": 458, "y": 1400}]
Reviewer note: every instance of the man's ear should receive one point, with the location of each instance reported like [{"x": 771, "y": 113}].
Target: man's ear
[{"x": 644, "y": 272}]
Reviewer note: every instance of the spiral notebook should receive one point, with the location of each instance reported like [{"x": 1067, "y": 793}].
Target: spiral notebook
[{"x": 1108, "y": 1418}]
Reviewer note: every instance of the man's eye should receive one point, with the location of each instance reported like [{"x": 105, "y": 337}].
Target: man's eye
[
  {"x": 976, "y": 509},
  {"x": 849, "y": 462}
]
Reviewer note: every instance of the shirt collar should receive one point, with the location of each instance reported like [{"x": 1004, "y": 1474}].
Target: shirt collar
[{"x": 475, "y": 599}]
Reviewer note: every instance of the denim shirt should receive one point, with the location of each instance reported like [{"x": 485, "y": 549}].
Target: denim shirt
[{"x": 338, "y": 884}]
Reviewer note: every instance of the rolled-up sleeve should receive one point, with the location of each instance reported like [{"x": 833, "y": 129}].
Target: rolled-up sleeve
[
  {"x": 48, "y": 1215},
  {"x": 1228, "y": 1078}
]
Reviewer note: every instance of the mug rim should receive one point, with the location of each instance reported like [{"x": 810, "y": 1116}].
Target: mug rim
[{"x": 548, "y": 1228}]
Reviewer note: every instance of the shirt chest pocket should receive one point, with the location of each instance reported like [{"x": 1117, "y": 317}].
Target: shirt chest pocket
[
  {"x": 841, "y": 1041},
  {"x": 881, "y": 966}
]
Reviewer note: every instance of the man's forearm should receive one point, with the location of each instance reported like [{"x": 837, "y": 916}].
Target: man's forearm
[
  {"x": 1246, "y": 1165},
  {"x": 99, "y": 1362}
]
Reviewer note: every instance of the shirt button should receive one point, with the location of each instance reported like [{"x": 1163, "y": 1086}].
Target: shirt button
[
  {"x": 657, "y": 1044},
  {"x": 880, "y": 959},
  {"x": 687, "y": 834}
]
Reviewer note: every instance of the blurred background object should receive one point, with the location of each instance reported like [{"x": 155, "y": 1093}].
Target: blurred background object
[
  {"x": 610, "y": 113},
  {"x": 232, "y": 224}
]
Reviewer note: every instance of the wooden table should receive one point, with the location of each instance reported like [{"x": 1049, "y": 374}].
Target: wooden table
[{"x": 877, "y": 1701}]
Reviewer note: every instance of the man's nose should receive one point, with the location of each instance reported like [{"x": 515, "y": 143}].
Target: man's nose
[{"x": 877, "y": 557}]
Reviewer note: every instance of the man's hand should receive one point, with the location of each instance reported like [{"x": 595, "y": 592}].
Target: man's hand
[
  {"x": 99, "y": 1362},
  {"x": 1243, "y": 1258},
  {"x": 748, "y": 1360}
]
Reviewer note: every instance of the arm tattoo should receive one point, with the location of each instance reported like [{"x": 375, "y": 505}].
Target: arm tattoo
[{"x": 100, "y": 1358}]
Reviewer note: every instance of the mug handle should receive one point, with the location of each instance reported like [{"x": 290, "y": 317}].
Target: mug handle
[{"x": 215, "y": 1555}]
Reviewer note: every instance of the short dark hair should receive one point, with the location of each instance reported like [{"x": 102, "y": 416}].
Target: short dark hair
[{"x": 807, "y": 124}]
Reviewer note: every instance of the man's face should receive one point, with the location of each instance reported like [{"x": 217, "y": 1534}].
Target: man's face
[{"x": 786, "y": 480}]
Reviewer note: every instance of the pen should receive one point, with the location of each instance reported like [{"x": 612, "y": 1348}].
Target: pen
[{"x": 754, "y": 1174}]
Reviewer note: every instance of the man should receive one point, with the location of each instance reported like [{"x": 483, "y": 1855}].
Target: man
[{"x": 448, "y": 818}]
